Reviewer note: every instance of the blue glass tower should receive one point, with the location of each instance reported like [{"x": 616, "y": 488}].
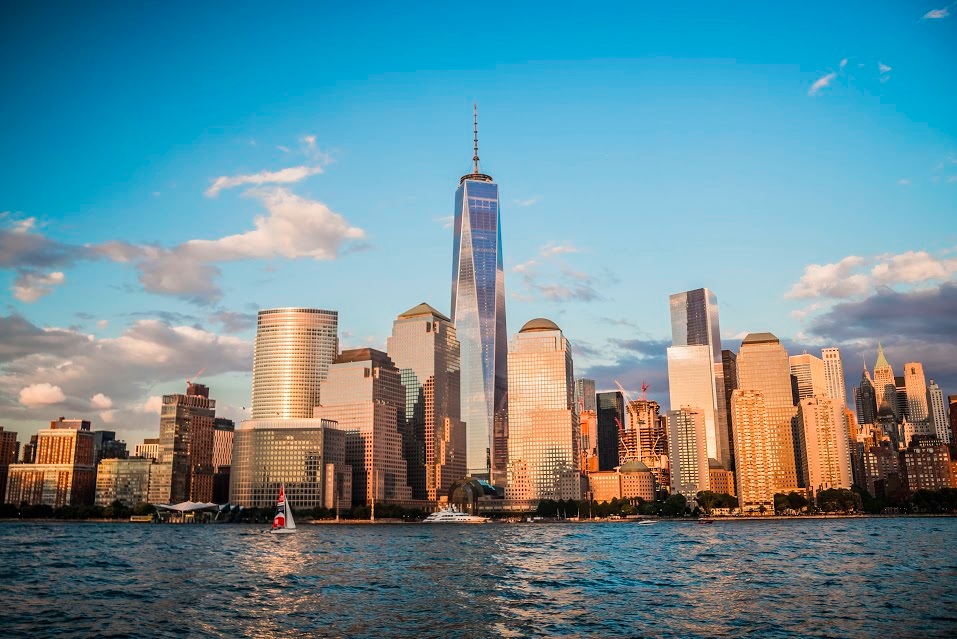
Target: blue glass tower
[{"x": 478, "y": 311}]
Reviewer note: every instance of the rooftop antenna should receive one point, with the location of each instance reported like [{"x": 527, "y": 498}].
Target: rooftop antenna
[{"x": 475, "y": 158}]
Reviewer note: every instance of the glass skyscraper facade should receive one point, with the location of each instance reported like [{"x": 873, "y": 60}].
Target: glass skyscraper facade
[
  {"x": 611, "y": 420},
  {"x": 545, "y": 438},
  {"x": 694, "y": 323},
  {"x": 478, "y": 312}
]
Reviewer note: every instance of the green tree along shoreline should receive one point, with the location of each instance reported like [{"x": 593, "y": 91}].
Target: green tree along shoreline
[{"x": 857, "y": 500}]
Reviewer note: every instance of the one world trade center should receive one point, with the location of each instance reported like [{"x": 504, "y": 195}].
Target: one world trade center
[{"x": 478, "y": 311}]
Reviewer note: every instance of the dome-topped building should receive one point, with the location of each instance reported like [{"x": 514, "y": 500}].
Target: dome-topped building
[{"x": 539, "y": 324}]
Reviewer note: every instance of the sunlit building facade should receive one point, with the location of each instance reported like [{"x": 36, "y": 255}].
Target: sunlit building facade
[
  {"x": 834, "y": 374},
  {"x": 753, "y": 451},
  {"x": 544, "y": 435},
  {"x": 9, "y": 448},
  {"x": 585, "y": 394},
  {"x": 885, "y": 386},
  {"x": 63, "y": 473},
  {"x": 148, "y": 449},
  {"x": 424, "y": 348},
  {"x": 651, "y": 438},
  {"x": 694, "y": 322},
  {"x": 307, "y": 456},
  {"x": 763, "y": 366},
  {"x": 809, "y": 374},
  {"x": 478, "y": 312},
  {"x": 293, "y": 351},
  {"x": 825, "y": 449},
  {"x": 688, "y": 454},
  {"x": 364, "y": 396},
  {"x": 938, "y": 412},
  {"x": 123, "y": 480},
  {"x": 915, "y": 386}
]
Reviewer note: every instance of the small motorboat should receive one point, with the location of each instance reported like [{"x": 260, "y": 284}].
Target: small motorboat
[
  {"x": 647, "y": 522},
  {"x": 705, "y": 520}
]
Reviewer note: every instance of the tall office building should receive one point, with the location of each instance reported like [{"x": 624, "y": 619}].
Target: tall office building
[
  {"x": 611, "y": 422},
  {"x": 938, "y": 412},
  {"x": 63, "y": 473},
  {"x": 687, "y": 452},
  {"x": 694, "y": 323},
  {"x": 588, "y": 423},
  {"x": 754, "y": 439},
  {"x": 585, "y": 394},
  {"x": 185, "y": 471},
  {"x": 9, "y": 448},
  {"x": 424, "y": 348},
  {"x": 544, "y": 435},
  {"x": 834, "y": 374},
  {"x": 810, "y": 373},
  {"x": 825, "y": 449},
  {"x": 478, "y": 312},
  {"x": 865, "y": 399},
  {"x": 293, "y": 351},
  {"x": 363, "y": 394},
  {"x": 763, "y": 366},
  {"x": 729, "y": 362},
  {"x": 885, "y": 386},
  {"x": 916, "y": 388},
  {"x": 900, "y": 394},
  {"x": 691, "y": 385}
]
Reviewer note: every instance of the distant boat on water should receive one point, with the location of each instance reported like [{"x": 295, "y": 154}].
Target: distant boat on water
[
  {"x": 283, "y": 522},
  {"x": 647, "y": 522}
]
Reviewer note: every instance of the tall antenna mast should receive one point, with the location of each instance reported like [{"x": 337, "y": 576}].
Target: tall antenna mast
[{"x": 475, "y": 158}]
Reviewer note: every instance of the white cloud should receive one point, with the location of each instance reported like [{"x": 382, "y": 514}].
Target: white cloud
[
  {"x": 903, "y": 182},
  {"x": 42, "y": 394},
  {"x": 936, "y": 14},
  {"x": 108, "y": 416},
  {"x": 883, "y": 68},
  {"x": 447, "y": 221},
  {"x": 912, "y": 267},
  {"x": 830, "y": 280},
  {"x": 31, "y": 285},
  {"x": 844, "y": 63},
  {"x": 284, "y": 149},
  {"x": 288, "y": 175},
  {"x": 102, "y": 323},
  {"x": 153, "y": 405},
  {"x": 822, "y": 83},
  {"x": 101, "y": 401}
]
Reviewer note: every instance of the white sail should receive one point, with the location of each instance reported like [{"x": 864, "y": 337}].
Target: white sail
[{"x": 290, "y": 522}]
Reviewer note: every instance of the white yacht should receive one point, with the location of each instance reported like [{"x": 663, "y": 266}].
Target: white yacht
[{"x": 452, "y": 515}]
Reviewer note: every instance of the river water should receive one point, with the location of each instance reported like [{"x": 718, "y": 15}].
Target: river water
[{"x": 801, "y": 578}]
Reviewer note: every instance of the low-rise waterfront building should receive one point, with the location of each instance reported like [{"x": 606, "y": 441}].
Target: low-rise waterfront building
[
  {"x": 632, "y": 479},
  {"x": 306, "y": 455},
  {"x": 123, "y": 480},
  {"x": 722, "y": 480}
]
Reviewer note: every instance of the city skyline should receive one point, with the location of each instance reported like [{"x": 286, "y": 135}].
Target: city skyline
[{"x": 145, "y": 265}]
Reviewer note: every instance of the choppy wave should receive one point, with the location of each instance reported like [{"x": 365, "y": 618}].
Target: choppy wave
[{"x": 846, "y": 578}]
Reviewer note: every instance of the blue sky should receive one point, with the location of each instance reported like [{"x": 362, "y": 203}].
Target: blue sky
[{"x": 799, "y": 160}]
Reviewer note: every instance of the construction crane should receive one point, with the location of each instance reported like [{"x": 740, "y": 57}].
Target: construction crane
[
  {"x": 190, "y": 380},
  {"x": 644, "y": 390}
]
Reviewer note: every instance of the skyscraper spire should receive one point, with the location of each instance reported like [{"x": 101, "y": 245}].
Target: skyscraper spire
[
  {"x": 475, "y": 157},
  {"x": 881, "y": 360}
]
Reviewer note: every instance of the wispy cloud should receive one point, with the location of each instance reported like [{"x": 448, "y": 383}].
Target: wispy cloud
[
  {"x": 552, "y": 249},
  {"x": 883, "y": 68},
  {"x": 903, "y": 182},
  {"x": 528, "y": 201},
  {"x": 822, "y": 83},
  {"x": 289, "y": 175},
  {"x": 446, "y": 221},
  {"x": 937, "y": 14}
]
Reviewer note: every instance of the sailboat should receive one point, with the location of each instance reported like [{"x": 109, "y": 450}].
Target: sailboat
[{"x": 283, "y": 522}]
